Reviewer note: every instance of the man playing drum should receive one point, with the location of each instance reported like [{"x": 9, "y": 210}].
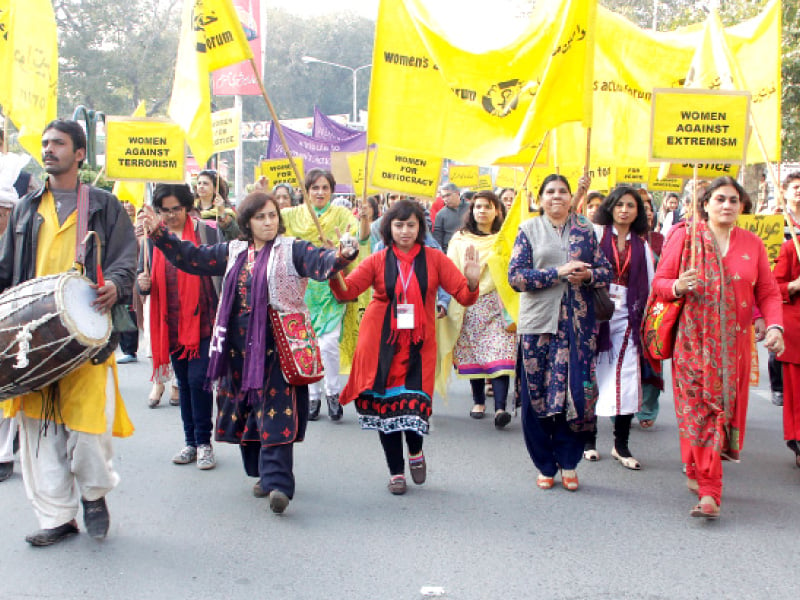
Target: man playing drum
[{"x": 66, "y": 427}]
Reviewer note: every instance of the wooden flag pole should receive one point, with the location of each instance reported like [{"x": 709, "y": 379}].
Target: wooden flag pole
[
  {"x": 694, "y": 217},
  {"x": 580, "y": 193},
  {"x": 277, "y": 124},
  {"x": 535, "y": 158}
]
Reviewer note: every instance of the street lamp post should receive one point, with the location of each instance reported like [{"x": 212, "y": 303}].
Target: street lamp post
[{"x": 310, "y": 59}]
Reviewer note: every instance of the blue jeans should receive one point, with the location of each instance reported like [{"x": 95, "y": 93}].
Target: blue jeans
[{"x": 197, "y": 404}]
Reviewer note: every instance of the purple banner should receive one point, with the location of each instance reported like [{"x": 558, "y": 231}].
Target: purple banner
[
  {"x": 316, "y": 152},
  {"x": 326, "y": 128}
]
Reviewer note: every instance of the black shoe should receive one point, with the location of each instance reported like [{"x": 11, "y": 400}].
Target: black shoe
[
  {"x": 95, "y": 517},
  {"x": 48, "y": 537},
  {"x": 501, "y": 419},
  {"x": 313, "y": 409},
  {"x": 335, "y": 410},
  {"x": 6, "y": 469}
]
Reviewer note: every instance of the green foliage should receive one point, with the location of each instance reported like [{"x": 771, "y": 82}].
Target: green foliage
[{"x": 88, "y": 175}]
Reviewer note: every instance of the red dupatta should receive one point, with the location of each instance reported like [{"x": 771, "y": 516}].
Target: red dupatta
[{"x": 704, "y": 365}]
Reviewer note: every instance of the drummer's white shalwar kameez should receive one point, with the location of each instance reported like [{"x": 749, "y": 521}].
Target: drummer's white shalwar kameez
[{"x": 8, "y": 427}]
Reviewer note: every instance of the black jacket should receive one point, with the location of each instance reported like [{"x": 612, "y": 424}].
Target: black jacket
[{"x": 106, "y": 217}]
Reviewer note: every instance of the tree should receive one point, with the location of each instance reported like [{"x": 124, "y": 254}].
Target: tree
[{"x": 113, "y": 54}]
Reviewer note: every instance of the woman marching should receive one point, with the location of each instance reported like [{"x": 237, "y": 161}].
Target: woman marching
[
  {"x": 213, "y": 204},
  {"x": 711, "y": 357},
  {"x": 621, "y": 221},
  {"x": 477, "y": 339},
  {"x": 555, "y": 263},
  {"x": 258, "y": 410},
  {"x": 392, "y": 385}
]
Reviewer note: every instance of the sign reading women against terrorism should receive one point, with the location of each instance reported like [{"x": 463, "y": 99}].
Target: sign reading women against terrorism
[
  {"x": 225, "y": 129},
  {"x": 279, "y": 170},
  {"x": 464, "y": 175},
  {"x": 414, "y": 174},
  {"x": 144, "y": 150},
  {"x": 699, "y": 125}
]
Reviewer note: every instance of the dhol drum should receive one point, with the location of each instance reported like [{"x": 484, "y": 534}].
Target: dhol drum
[{"x": 48, "y": 328}]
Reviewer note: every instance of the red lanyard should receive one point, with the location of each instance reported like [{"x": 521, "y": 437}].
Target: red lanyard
[{"x": 616, "y": 258}]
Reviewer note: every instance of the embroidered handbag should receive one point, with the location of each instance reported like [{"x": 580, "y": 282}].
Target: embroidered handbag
[
  {"x": 659, "y": 326},
  {"x": 298, "y": 348},
  {"x": 603, "y": 306}
]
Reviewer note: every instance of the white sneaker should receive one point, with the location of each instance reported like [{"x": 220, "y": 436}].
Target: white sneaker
[
  {"x": 188, "y": 454},
  {"x": 205, "y": 457}
]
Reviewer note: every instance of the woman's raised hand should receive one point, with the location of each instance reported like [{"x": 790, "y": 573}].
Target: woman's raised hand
[
  {"x": 472, "y": 266},
  {"x": 148, "y": 218}
]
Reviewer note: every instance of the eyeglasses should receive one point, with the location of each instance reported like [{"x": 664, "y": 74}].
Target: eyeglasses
[{"x": 175, "y": 210}]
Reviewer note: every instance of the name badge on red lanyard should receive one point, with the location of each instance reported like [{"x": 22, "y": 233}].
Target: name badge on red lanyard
[{"x": 405, "y": 312}]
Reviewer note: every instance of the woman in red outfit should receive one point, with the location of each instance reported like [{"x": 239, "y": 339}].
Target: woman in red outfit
[
  {"x": 393, "y": 370},
  {"x": 711, "y": 359}
]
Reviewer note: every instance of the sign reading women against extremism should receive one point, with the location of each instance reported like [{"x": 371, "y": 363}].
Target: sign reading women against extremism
[
  {"x": 144, "y": 150},
  {"x": 694, "y": 125}
]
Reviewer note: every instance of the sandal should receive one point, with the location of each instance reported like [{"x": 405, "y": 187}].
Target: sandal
[
  {"x": 475, "y": 413},
  {"x": 647, "y": 423},
  {"x": 175, "y": 397},
  {"x": 626, "y": 461},
  {"x": 155, "y": 395},
  {"x": 543, "y": 482},
  {"x": 569, "y": 479},
  {"x": 592, "y": 455},
  {"x": 707, "y": 507}
]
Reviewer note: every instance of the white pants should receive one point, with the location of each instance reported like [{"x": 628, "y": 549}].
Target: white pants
[
  {"x": 61, "y": 466},
  {"x": 329, "y": 348},
  {"x": 8, "y": 428}
]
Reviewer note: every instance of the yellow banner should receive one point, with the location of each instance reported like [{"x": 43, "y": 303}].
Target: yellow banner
[
  {"x": 769, "y": 228},
  {"x": 224, "y": 38},
  {"x": 476, "y": 107},
  {"x": 699, "y": 125},
  {"x": 484, "y": 183},
  {"x": 29, "y": 69},
  {"x": 415, "y": 174},
  {"x": 355, "y": 164},
  {"x": 704, "y": 170},
  {"x": 211, "y": 38},
  {"x": 144, "y": 150},
  {"x": 626, "y": 73},
  {"x": 225, "y": 129},
  {"x": 464, "y": 176},
  {"x": 509, "y": 177},
  {"x": 279, "y": 170},
  {"x": 629, "y": 175},
  {"x": 665, "y": 184}
]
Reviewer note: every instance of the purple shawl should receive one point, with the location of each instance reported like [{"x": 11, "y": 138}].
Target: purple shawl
[
  {"x": 638, "y": 287},
  {"x": 253, "y": 369}
]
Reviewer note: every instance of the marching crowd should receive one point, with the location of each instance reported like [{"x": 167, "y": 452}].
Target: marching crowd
[{"x": 261, "y": 304}]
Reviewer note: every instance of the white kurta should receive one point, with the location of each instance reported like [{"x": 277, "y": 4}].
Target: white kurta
[{"x": 619, "y": 379}]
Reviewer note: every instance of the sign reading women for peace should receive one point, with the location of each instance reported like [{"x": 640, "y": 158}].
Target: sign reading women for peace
[
  {"x": 695, "y": 125},
  {"x": 628, "y": 175},
  {"x": 144, "y": 150},
  {"x": 279, "y": 170},
  {"x": 401, "y": 171}
]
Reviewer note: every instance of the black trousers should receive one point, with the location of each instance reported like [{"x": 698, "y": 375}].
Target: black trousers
[
  {"x": 274, "y": 465},
  {"x": 393, "y": 449}
]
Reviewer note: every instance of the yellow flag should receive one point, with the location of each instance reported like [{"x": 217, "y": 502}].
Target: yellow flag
[
  {"x": 29, "y": 68},
  {"x": 626, "y": 73},
  {"x": 132, "y": 191},
  {"x": 429, "y": 95},
  {"x": 211, "y": 38},
  {"x": 503, "y": 245}
]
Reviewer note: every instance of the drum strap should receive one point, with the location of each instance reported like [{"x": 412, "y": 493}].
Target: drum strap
[{"x": 82, "y": 224}]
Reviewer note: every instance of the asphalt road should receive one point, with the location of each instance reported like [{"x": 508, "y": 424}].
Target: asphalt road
[{"x": 478, "y": 529}]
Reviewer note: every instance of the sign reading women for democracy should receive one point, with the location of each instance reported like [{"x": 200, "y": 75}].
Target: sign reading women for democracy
[
  {"x": 144, "y": 150},
  {"x": 694, "y": 125},
  {"x": 400, "y": 171}
]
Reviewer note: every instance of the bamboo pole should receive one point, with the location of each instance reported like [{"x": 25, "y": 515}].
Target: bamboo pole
[
  {"x": 694, "y": 216},
  {"x": 277, "y": 124}
]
